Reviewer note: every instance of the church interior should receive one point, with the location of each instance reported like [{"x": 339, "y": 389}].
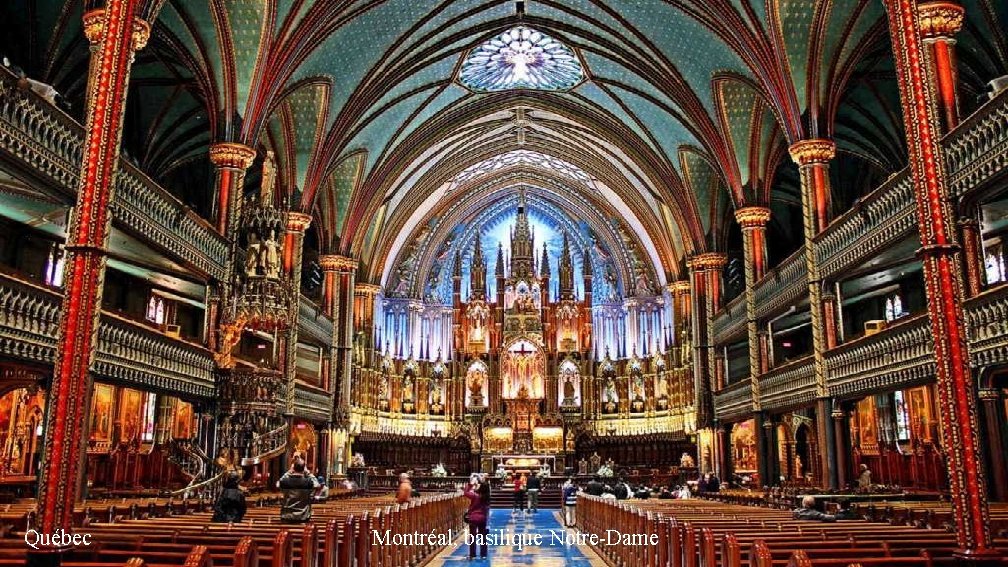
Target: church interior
[{"x": 722, "y": 256}]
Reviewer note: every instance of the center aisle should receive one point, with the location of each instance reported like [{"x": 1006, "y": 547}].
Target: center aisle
[{"x": 550, "y": 553}]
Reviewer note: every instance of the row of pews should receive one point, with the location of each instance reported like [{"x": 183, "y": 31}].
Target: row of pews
[
  {"x": 700, "y": 533},
  {"x": 341, "y": 533}
]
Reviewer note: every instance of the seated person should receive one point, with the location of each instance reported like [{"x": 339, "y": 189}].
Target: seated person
[
  {"x": 298, "y": 488},
  {"x": 230, "y": 505},
  {"x": 642, "y": 492},
  {"x": 665, "y": 494},
  {"x": 809, "y": 512}
]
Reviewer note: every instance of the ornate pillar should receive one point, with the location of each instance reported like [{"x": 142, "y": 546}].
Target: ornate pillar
[
  {"x": 231, "y": 160},
  {"x": 943, "y": 284},
  {"x": 297, "y": 224},
  {"x": 973, "y": 261},
  {"x": 813, "y": 157},
  {"x": 340, "y": 272},
  {"x": 119, "y": 33},
  {"x": 840, "y": 428},
  {"x": 705, "y": 274},
  {"x": 753, "y": 221},
  {"x": 993, "y": 408},
  {"x": 681, "y": 320},
  {"x": 939, "y": 21}
]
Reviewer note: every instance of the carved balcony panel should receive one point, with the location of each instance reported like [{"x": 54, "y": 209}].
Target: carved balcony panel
[
  {"x": 730, "y": 322},
  {"x": 257, "y": 391},
  {"x": 987, "y": 320},
  {"x": 733, "y": 402},
  {"x": 874, "y": 223},
  {"x": 897, "y": 357},
  {"x": 39, "y": 140},
  {"x": 313, "y": 323},
  {"x": 312, "y": 403},
  {"x": 785, "y": 285},
  {"x": 788, "y": 386},
  {"x": 128, "y": 351},
  {"x": 976, "y": 152}
]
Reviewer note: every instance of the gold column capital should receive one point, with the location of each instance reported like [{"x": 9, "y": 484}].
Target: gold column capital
[
  {"x": 94, "y": 29},
  {"x": 707, "y": 261},
  {"x": 298, "y": 222},
  {"x": 680, "y": 287},
  {"x": 812, "y": 151},
  {"x": 337, "y": 263},
  {"x": 232, "y": 155},
  {"x": 367, "y": 289},
  {"x": 940, "y": 18},
  {"x": 752, "y": 217}
]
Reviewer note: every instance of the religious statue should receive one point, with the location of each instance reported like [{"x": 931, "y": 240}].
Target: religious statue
[
  {"x": 663, "y": 389},
  {"x": 596, "y": 461},
  {"x": 252, "y": 254},
  {"x": 270, "y": 257},
  {"x": 268, "y": 180},
  {"x": 476, "y": 389},
  {"x": 609, "y": 395},
  {"x": 638, "y": 388},
  {"x": 408, "y": 389},
  {"x": 569, "y": 391},
  {"x": 435, "y": 396}
]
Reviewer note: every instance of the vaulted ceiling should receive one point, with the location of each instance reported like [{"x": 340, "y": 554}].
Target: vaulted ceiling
[{"x": 685, "y": 111}]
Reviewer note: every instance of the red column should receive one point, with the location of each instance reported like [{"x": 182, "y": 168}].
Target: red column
[
  {"x": 943, "y": 283},
  {"x": 119, "y": 34},
  {"x": 231, "y": 160},
  {"x": 705, "y": 273},
  {"x": 753, "y": 221},
  {"x": 939, "y": 22}
]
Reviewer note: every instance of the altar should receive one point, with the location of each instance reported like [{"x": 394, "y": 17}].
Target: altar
[{"x": 522, "y": 464}]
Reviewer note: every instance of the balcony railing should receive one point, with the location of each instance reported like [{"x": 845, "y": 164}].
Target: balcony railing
[
  {"x": 313, "y": 323},
  {"x": 789, "y": 385},
  {"x": 902, "y": 355},
  {"x": 977, "y": 150},
  {"x": 127, "y": 351},
  {"x": 734, "y": 401},
  {"x": 782, "y": 286},
  {"x": 730, "y": 321},
  {"x": 312, "y": 403},
  {"x": 44, "y": 142},
  {"x": 987, "y": 321}
]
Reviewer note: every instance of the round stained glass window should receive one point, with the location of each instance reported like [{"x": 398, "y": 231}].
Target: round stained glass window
[{"x": 521, "y": 58}]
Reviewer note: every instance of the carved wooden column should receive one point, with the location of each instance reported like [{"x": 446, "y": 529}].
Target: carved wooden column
[
  {"x": 813, "y": 157},
  {"x": 120, "y": 34},
  {"x": 705, "y": 275},
  {"x": 840, "y": 429},
  {"x": 993, "y": 408},
  {"x": 753, "y": 221},
  {"x": 681, "y": 321},
  {"x": 943, "y": 280},
  {"x": 973, "y": 261},
  {"x": 940, "y": 21},
  {"x": 293, "y": 249}
]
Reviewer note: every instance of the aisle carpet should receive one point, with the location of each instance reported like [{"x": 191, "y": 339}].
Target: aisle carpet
[{"x": 550, "y": 553}]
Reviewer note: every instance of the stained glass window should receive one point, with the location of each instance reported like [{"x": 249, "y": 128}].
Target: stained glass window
[
  {"x": 995, "y": 268},
  {"x": 521, "y": 58}
]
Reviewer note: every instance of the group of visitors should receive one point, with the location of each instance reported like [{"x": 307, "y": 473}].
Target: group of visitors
[
  {"x": 526, "y": 486},
  {"x": 299, "y": 487}
]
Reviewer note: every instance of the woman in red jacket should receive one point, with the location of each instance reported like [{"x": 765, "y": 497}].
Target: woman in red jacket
[{"x": 478, "y": 493}]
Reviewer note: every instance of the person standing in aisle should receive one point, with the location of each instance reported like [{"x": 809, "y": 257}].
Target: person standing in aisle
[{"x": 533, "y": 487}]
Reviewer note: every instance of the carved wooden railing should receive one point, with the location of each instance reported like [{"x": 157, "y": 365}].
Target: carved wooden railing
[
  {"x": 207, "y": 489},
  {"x": 190, "y": 458},
  {"x": 987, "y": 321},
  {"x": 734, "y": 401},
  {"x": 901, "y": 355},
  {"x": 252, "y": 390},
  {"x": 127, "y": 351},
  {"x": 267, "y": 445},
  {"x": 42, "y": 141},
  {"x": 311, "y": 402},
  {"x": 789, "y": 385},
  {"x": 977, "y": 150},
  {"x": 784, "y": 285},
  {"x": 313, "y": 323},
  {"x": 730, "y": 322}
]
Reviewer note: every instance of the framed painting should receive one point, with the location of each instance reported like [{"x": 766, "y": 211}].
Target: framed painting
[{"x": 101, "y": 413}]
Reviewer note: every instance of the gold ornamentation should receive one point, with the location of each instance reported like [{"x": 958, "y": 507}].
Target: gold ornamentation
[
  {"x": 989, "y": 394},
  {"x": 707, "y": 261},
  {"x": 94, "y": 29},
  {"x": 811, "y": 151},
  {"x": 337, "y": 263},
  {"x": 939, "y": 19},
  {"x": 681, "y": 287},
  {"x": 232, "y": 155},
  {"x": 367, "y": 288},
  {"x": 752, "y": 217},
  {"x": 298, "y": 222}
]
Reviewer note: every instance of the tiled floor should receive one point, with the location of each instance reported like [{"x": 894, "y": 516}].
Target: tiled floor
[{"x": 552, "y": 552}]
